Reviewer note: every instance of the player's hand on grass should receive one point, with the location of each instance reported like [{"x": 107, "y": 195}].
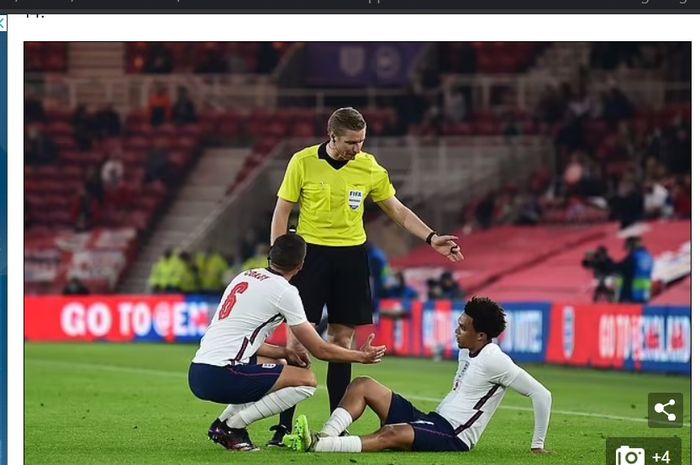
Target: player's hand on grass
[
  {"x": 372, "y": 354},
  {"x": 445, "y": 245}
]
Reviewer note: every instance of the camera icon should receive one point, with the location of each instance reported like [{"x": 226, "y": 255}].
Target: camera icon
[{"x": 626, "y": 455}]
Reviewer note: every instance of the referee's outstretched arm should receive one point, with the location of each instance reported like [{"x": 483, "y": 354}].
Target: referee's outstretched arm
[{"x": 402, "y": 215}]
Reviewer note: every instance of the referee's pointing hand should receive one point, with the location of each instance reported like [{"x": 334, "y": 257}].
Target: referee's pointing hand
[{"x": 446, "y": 245}]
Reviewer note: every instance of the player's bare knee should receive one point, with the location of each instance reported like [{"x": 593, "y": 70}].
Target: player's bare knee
[
  {"x": 389, "y": 434},
  {"x": 310, "y": 379},
  {"x": 305, "y": 377},
  {"x": 361, "y": 383}
]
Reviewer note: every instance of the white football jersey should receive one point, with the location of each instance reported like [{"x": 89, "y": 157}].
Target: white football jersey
[
  {"x": 254, "y": 304},
  {"x": 479, "y": 387}
]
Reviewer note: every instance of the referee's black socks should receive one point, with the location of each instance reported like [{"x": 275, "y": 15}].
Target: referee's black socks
[
  {"x": 337, "y": 381},
  {"x": 286, "y": 418}
]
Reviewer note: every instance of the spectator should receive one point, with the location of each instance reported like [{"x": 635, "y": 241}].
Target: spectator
[
  {"x": 681, "y": 198},
  {"x": 527, "y": 209},
  {"x": 616, "y": 106},
  {"x": 627, "y": 206},
  {"x": 268, "y": 57},
  {"x": 453, "y": 103},
  {"x": 259, "y": 260},
  {"x": 635, "y": 271},
  {"x": 183, "y": 111},
  {"x": 186, "y": 271},
  {"x": 434, "y": 289},
  {"x": 33, "y": 108},
  {"x": 107, "y": 122},
  {"x": 211, "y": 267},
  {"x": 212, "y": 60},
  {"x": 159, "y": 106},
  {"x": 550, "y": 108},
  {"x": 159, "y": 59},
  {"x": 397, "y": 289},
  {"x": 157, "y": 164},
  {"x": 85, "y": 212},
  {"x": 485, "y": 210},
  {"x": 93, "y": 184},
  {"x": 83, "y": 128},
  {"x": 656, "y": 200},
  {"x": 159, "y": 279},
  {"x": 112, "y": 172},
  {"x": 75, "y": 286},
  {"x": 450, "y": 287},
  {"x": 39, "y": 149}
]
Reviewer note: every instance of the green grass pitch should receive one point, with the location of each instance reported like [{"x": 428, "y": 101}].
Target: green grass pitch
[{"x": 130, "y": 404}]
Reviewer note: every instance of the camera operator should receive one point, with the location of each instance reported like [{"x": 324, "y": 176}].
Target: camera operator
[
  {"x": 635, "y": 271},
  {"x": 603, "y": 267}
]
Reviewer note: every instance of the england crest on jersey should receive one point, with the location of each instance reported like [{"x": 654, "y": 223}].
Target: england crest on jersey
[{"x": 355, "y": 199}]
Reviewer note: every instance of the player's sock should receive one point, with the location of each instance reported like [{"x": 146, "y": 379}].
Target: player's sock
[
  {"x": 337, "y": 380},
  {"x": 232, "y": 409},
  {"x": 287, "y": 417},
  {"x": 338, "y": 422},
  {"x": 271, "y": 404},
  {"x": 341, "y": 444}
]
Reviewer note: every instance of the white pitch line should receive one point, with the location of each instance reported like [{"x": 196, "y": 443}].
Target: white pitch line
[{"x": 174, "y": 374}]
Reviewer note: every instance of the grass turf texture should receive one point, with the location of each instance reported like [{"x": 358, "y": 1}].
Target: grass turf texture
[{"x": 130, "y": 404}]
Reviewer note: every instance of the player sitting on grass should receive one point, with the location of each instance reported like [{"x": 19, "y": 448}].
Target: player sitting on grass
[
  {"x": 235, "y": 366},
  {"x": 483, "y": 374}
]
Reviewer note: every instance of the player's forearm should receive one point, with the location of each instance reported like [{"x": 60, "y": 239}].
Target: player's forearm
[
  {"x": 280, "y": 219},
  {"x": 415, "y": 225},
  {"x": 270, "y": 351},
  {"x": 542, "y": 406},
  {"x": 333, "y": 353},
  {"x": 526, "y": 385},
  {"x": 404, "y": 216}
]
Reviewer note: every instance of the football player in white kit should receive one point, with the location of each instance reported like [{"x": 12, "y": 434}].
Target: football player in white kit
[
  {"x": 235, "y": 366},
  {"x": 483, "y": 374}
]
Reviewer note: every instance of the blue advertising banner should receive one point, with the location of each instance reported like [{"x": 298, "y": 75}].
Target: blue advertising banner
[
  {"x": 527, "y": 331},
  {"x": 349, "y": 64}
]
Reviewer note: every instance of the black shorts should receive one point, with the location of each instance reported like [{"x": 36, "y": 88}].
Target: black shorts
[
  {"x": 337, "y": 277},
  {"x": 232, "y": 384},
  {"x": 432, "y": 433}
]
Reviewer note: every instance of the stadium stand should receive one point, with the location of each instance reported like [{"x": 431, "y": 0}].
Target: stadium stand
[{"x": 611, "y": 139}]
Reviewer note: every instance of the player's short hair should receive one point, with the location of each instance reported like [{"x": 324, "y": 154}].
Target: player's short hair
[
  {"x": 288, "y": 252},
  {"x": 345, "y": 119},
  {"x": 488, "y": 317}
]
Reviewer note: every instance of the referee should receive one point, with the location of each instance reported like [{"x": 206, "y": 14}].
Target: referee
[{"x": 330, "y": 182}]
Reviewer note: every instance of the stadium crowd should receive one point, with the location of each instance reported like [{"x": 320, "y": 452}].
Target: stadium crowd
[{"x": 615, "y": 159}]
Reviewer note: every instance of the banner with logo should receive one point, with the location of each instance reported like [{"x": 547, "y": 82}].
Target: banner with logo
[
  {"x": 624, "y": 337},
  {"x": 358, "y": 64},
  {"x": 629, "y": 337},
  {"x": 527, "y": 331},
  {"x": 116, "y": 318},
  {"x": 427, "y": 329}
]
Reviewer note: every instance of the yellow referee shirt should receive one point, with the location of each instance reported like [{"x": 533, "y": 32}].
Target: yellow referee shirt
[{"x": 331, "y": 200}]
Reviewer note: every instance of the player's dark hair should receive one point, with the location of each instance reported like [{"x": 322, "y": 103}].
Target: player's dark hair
[
  {"x": 345, "y": 119},
  {"x": 488, "y": 317},
  {"x": 288, "y": 252}
]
